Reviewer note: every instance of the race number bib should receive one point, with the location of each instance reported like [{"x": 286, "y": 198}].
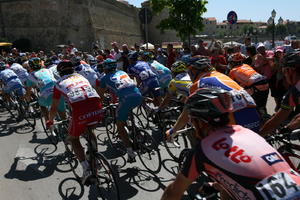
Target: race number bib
[
  {"x": 81, "y": 93},
  {"x": 278, "y": 186}
]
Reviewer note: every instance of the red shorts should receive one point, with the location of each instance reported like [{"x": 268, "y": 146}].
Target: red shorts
[{"x": 85, "y": 113}]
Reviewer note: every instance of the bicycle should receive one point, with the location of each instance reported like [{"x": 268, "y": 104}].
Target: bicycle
[
  {"x": 284, "y": 144},
  {"x": 103, "y": 176},
  {"x": 143, "y": 143}
]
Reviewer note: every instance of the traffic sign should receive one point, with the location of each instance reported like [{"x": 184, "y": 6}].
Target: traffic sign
[
  {"x": 232, "y": 17},
  {"x": 142, "y": 15}
]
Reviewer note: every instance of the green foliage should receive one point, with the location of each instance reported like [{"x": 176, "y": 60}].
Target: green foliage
[
  {"x": 185, "y": 16},
  {"x": 281, "y": 30}
]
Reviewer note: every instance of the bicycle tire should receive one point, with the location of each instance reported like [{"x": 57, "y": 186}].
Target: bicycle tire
[
  {"x": 52, "y": 138},
  {"x": 147, "y": 150},
  {"x": 106, "y": 178},
  {"x": 175, "y": 147}
]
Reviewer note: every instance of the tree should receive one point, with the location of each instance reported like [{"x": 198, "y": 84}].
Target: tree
[
  {"x": 185, "y": 16},
  {"x": 281, "y": 30}
]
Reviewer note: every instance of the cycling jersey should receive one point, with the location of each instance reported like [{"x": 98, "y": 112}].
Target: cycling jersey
[
  {"x": 83, "y": 99},
  {"x": 20, "y": 71},
  {"x": 44, "y": 80},
  {"x": 53, "y": 68},
  {"x": 124, "y": 87},
  {"x": 228, "y": 155},
  {"x": 180, "y": 84},
  {"x": 246, "y": 76},
  {"x": 149, "y": 80},
  {"x": 163, "y": 73},
  {"x": 86, "y": 71},
  {"x": 244, "y": 111},
  {"x": 11, "y": 82}
]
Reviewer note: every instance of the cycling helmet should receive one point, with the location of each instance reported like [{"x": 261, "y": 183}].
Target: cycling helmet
[
  {"x": 11, "y": 61},
  {"x": 65, "y": 67},
  {"x": 91, "y": 60},
  {"x": 200, "y": 63},
  {"x": 147, "y": 55},
  {"x": 178, "y": 67},
  {"x": 2, "y": 66},
  {"x": 133, "y": 55},
  {"x": 76, "y": 61},
  {"x": 100, "y": 67},
  {"x": 209, "y": 104},
  {"x": 35, "y": 63},
  {"x": 48, "y": 62},
  {"x": 292, "y": 59},
  {"x": 110, "y": 64},
  {"x": 236, "y": 57},
  {"x": 186, "y": 59}
]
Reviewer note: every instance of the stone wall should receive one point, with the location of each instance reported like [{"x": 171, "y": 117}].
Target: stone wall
[{"x": 47, "y": 23}]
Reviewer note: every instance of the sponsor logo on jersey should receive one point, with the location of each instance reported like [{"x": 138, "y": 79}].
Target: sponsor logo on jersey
[
  {"x": 233, "y": 187},
  {"x": 235, "y": 153},
  {"x": 272, "y": 158}
]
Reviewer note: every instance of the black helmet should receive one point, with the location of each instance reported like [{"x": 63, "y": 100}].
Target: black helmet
[
  {"x": 65, "y": 67},
  {"x": 133, "y": 55},
  {"x": 35, "y": 63},
  {"x": 76, "y": 61},
  {"x": 200, "y": 63},
  {"x": 2, "y": 66},
  {"x": 292, "y": 59},
  {"x": 209, "y": 104}
]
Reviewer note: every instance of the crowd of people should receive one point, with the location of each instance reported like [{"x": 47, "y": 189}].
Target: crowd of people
[{"x": 225, "y": 91}]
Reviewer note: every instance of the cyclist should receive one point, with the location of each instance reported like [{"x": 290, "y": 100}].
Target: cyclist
[
  {"x": 85, "y": 105},
  {"x": 163, "y": 73},
  {"x": 10, "y": 81},
  {"x": 202, "y": 75},
  {"x": 51, "y": 63},
  {"x": 179, "y": 85},
  {"x": 290, "y": 104},
  {"x": 44, "y": 80},
  {"x": 129, "y": 97},
  {"x": 254, "y": 83},
  {"x": 147, "y": 80},
  {"x": 18, "y": 69},
  {"x": 85, "y": 70},
  {"x": 227, "y": 156}
]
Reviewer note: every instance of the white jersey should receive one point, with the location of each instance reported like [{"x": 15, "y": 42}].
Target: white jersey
[
  {"x": 20, "y": 71},
  {"x": 75, "y": 88},
  {"x": 87, "y": 72},
  {"x": 53, "y": 68}
]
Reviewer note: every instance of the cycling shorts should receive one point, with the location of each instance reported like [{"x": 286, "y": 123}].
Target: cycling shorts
[
  {"x": 247, "y": 117},
  {"x": 152, "y": 89},
  {"x": 17, "y": 87},
  {"x": 126, "y": 104},
  {"x": 85, "y": 113},
  {"x": 46, "y": 102}
]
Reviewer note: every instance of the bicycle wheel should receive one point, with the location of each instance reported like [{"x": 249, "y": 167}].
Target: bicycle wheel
[
  {"x": 175, "y": 146},
  {"x": 148, "y": 151},
  {"x": 106, "y": 178},
  {"x": 30, "y": 115},
  {"x": 51, "y": 135}
]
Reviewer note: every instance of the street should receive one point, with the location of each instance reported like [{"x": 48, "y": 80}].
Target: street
[{"x": 32, "y": 168}]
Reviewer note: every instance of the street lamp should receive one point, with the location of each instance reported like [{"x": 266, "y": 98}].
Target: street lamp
[{"x": 271, "y": 20}]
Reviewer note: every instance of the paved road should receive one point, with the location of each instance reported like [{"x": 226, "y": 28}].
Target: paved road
[{"x": 31, "y": 168}]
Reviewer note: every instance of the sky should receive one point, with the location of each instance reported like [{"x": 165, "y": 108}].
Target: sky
[{"x": 256, "y": 10}]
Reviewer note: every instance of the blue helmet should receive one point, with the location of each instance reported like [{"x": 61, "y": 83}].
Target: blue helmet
[{"x": 110, "y": 64}]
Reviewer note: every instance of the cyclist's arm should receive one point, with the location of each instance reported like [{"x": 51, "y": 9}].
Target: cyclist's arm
[
  {"x": 101, "y": 92},
  {"x": 295, "y": 123},
  {"x": 275, "y": 121},
  {"x": 28, "y": 93},
  {"x": 181, "y": 122},
  {"x": 176, "y": 189},
  {"x": 165, "y": 101}
]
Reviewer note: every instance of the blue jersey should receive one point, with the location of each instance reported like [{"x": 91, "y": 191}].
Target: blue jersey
[
  {"x": 142, "y": 70},
  {"x": 163, "y": 73},
  {"x": 120, "y": 83},
  {"x": 42, "y": 79},
  {"x": 7, "y": 76}
]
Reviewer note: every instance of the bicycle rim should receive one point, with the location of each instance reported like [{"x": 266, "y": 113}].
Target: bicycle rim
[
  {"x": 148, "y": 151},
  {"x": 175, "y": 147},
  {"x": 106, "y": 178}
]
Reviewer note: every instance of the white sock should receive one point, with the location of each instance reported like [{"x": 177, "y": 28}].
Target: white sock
[{"x": 85, "y": 165}]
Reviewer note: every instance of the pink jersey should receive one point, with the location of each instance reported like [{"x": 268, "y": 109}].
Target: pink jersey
[
  {"x": 243, "y": 163},
  {"x": 75, "y": 88}
]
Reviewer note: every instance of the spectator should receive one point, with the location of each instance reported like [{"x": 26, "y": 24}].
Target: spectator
[
  {"x": 250, "y": 53},
  {"x": 247, "y": 43},
  {"x": 171, "y": 55},
  {"x": 161, "y": 58}
]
